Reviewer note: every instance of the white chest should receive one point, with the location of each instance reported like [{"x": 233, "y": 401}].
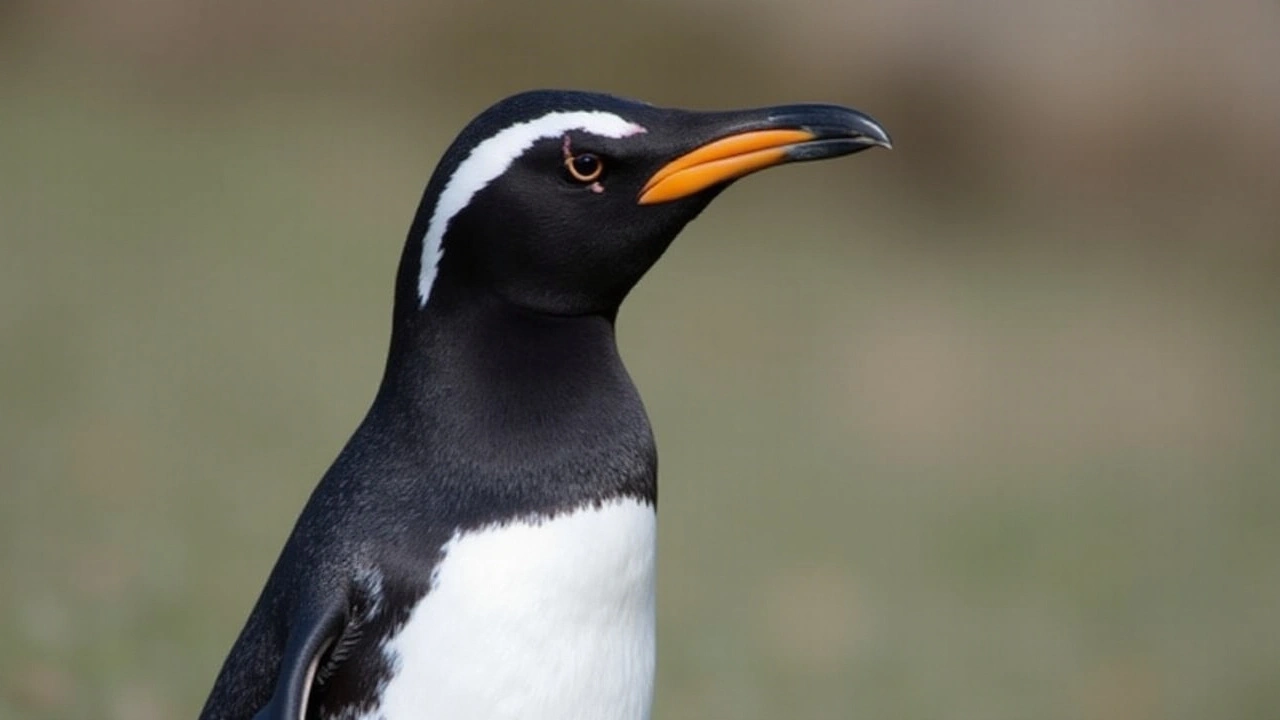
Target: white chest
[{"x": 534, "y": 621}]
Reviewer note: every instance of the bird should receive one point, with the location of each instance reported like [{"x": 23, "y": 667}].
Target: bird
[{"x": 483, "y": 546}]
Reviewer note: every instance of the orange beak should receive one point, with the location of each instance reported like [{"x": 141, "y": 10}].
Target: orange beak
[
  {"x": 720, "y": 161},
  {"x": 758, "y": 139}
]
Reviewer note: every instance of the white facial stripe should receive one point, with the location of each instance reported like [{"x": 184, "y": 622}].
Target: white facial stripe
[{"x": 490, "y": 159}]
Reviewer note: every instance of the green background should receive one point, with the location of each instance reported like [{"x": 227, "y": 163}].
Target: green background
[{"x": 983, "y": 427}]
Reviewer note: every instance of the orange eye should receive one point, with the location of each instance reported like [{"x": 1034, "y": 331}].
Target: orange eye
[{"x": 585, "y": 167}]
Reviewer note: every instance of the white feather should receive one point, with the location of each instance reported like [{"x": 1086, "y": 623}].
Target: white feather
[
  {"x": 537, "y": 621},
  {"x": 489, "y": 159}
]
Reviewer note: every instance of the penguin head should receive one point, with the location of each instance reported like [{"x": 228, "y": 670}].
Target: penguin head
[{"x": 559, "y": 201}]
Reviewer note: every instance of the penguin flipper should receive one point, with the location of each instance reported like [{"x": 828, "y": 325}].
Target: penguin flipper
[{"x": 308, "y": 642}]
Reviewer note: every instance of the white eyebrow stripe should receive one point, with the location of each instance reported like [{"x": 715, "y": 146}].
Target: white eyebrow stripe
[{"x": 489, "y": 159}]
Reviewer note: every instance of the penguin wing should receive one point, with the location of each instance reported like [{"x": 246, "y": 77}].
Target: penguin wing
[{"x": 310, "y": 637}]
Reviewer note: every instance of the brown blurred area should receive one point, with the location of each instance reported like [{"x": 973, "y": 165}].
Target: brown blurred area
[
  {"x": 984, "y": 427},
  {"x": 1092, "y": 99}
]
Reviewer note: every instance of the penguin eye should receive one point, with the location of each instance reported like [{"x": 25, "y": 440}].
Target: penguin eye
[{"x": 585, "y": 167}]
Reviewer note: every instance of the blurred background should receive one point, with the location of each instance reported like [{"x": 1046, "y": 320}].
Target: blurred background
[{"x": 984, "y": 427}]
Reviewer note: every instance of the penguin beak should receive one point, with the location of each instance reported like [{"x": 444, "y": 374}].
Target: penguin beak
[{"x": 793, "y": 133}]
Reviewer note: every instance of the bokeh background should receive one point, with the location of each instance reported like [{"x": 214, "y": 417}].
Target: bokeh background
[{"x": 981, "y": 428}]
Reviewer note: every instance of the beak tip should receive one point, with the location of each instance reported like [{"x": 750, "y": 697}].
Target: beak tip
[{"x": 872, "y": 133}]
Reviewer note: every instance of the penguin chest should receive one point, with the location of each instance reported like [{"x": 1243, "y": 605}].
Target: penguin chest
[{"x": 550, "y": 618}]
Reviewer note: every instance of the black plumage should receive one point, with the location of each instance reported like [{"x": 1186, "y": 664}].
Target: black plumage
[{"x": 503, "y": 394}]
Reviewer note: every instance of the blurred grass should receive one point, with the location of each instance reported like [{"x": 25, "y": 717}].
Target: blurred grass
[{"x": 924, "y": 453}]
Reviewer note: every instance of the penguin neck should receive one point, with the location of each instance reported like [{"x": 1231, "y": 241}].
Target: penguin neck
[
  {"x": 482, "y": 384},
  {"x": 471, "y": 334}
]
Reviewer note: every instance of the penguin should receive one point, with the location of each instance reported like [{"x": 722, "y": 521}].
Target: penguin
[{"x": 483, "y": 546}]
